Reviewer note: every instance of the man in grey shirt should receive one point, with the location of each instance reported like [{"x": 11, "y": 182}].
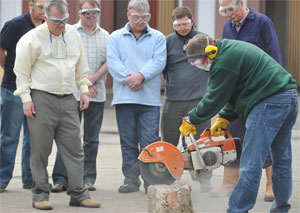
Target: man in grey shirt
[{"x": 185, "y": 85}]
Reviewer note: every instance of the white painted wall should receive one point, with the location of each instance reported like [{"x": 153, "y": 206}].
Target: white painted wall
[
  {"x": 9, "y": 10},
  {"x": 206, "y": 16},
  {"x": 179, "y": 3}
]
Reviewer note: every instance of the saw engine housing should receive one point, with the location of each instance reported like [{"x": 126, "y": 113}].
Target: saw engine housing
[{"x": 205, "y": 154}]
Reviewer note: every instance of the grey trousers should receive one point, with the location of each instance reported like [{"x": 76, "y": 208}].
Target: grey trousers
[
  {"x": 56, "y": 119},
  {"x": 171, "y": 119}
]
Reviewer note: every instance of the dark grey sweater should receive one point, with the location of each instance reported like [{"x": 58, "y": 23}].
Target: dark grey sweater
[{"x": 184, "y": 82}]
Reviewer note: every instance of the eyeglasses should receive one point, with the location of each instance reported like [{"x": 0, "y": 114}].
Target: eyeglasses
[
  {"x": 224, "y": 11},
  {"x": 136, "y": 17},
  {"x": 230, "y": 8},
  {"x": 89, "y": 13},
  {"x": 55, "y": 20},
  {"x": 196, "y": 62},
  {"x": 185, "y": 24},
  {"x": 39, "y": 5},
  {"x": 199, "y": 61}
]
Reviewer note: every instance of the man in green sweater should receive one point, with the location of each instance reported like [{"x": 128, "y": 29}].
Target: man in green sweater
[{"x": 245, "y": 80}]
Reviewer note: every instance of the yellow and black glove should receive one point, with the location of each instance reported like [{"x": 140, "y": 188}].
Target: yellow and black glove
[
  {"x": 218, "y": 127},
  {"x": 186, "y": 127}
]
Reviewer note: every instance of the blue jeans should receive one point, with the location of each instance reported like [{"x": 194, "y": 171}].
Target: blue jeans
[
  {"x": 93, "y": 117},
  {"x": 268, "y": 128},
  {"x": 237, "y": 129},
  {"x": 138, "y": 127},
  {"x": 12, "y": 118}
]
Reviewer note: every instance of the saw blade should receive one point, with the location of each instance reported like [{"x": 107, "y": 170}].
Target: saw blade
[{"x": 155, "y": 173}]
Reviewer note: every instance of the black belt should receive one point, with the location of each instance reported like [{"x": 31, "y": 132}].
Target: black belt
[{"x": 57, "y": 95}]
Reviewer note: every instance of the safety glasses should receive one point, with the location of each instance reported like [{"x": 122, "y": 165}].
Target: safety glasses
[
  {"x": 184, "y": 24},
  {"x": 38, "y": 5},
  {"x": 198, "y": 61},
  {"x": 230, "y": 8},
  {"x": 202, "y": 63},
  {"x": 90, "y": 13},
  {"x": 55, "y": 20},
  {"x": 136, "y": 17}
]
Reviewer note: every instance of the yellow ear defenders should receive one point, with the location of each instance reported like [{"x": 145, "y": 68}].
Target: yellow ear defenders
[{"x": 211, "y": 50}]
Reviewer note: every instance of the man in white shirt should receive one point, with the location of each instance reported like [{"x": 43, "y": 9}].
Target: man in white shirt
[{"x": 50, "y": 62}]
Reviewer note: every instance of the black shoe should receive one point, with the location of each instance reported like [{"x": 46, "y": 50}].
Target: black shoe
[
  {"x": 127, "y": 188},
  {"x": 58, "y": 188},
  {"x": 2, "y": 188},
  {"x": 90, "y": 186},
  {"x": 27, "y": 186}
]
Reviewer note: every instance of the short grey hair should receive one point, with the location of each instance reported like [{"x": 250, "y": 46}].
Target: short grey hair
[
  {"x": 60, "y": 5},
  {"x": 138, "y": 5},
  {"x": 236, "y": 2}
]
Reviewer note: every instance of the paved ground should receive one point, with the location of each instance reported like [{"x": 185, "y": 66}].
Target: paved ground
[{"x": 16, "y": 199}]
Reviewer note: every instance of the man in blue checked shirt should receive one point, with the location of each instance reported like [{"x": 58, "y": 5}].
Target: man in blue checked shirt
[{"x": 94, "y": 40}]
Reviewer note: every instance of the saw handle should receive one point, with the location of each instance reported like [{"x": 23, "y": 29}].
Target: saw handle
[
  {"x": 207, "y": 133},
  {"x": 198, "y": 150}
]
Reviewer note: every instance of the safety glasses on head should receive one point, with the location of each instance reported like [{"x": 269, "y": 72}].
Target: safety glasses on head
[
  {"x": 91, "y": 12},
  {"x": 185, "y": 24},
  {"x": 136, "y": 17},
  {"x": 55, "y": 20},
  {"x": 230, "y": 8}
]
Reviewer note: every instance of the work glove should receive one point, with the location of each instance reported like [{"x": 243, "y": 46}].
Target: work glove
[
  {"x": 218, "y": 127},
  {"x": 187, "y": 127}
]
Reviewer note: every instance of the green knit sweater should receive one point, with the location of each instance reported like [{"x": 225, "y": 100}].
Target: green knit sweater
[{"x": 241, "y": 76}]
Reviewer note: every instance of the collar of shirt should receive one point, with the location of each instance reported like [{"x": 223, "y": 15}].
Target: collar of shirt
[
  {"x": 239, "y": 25},
  {"x": 45, "y": 28},
  {"x": 28, "y": 19},
  {"x": 79, "y": 26},
  {"x": 127, "y": 30}
]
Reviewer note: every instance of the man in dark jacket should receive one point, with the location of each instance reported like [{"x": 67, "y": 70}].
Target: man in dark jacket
[{"x": 12, "y": 117}]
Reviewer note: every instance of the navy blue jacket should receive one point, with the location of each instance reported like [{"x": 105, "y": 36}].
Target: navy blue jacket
[
  {"x": 12, "y": 31},
  {"x": 257, "y": 29}
]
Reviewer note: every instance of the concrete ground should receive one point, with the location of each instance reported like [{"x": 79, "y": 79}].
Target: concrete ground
[{"x": 16, "y": 199}]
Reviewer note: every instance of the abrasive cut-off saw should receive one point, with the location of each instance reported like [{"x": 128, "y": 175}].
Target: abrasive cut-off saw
[{"x": 163, "y": 163}]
